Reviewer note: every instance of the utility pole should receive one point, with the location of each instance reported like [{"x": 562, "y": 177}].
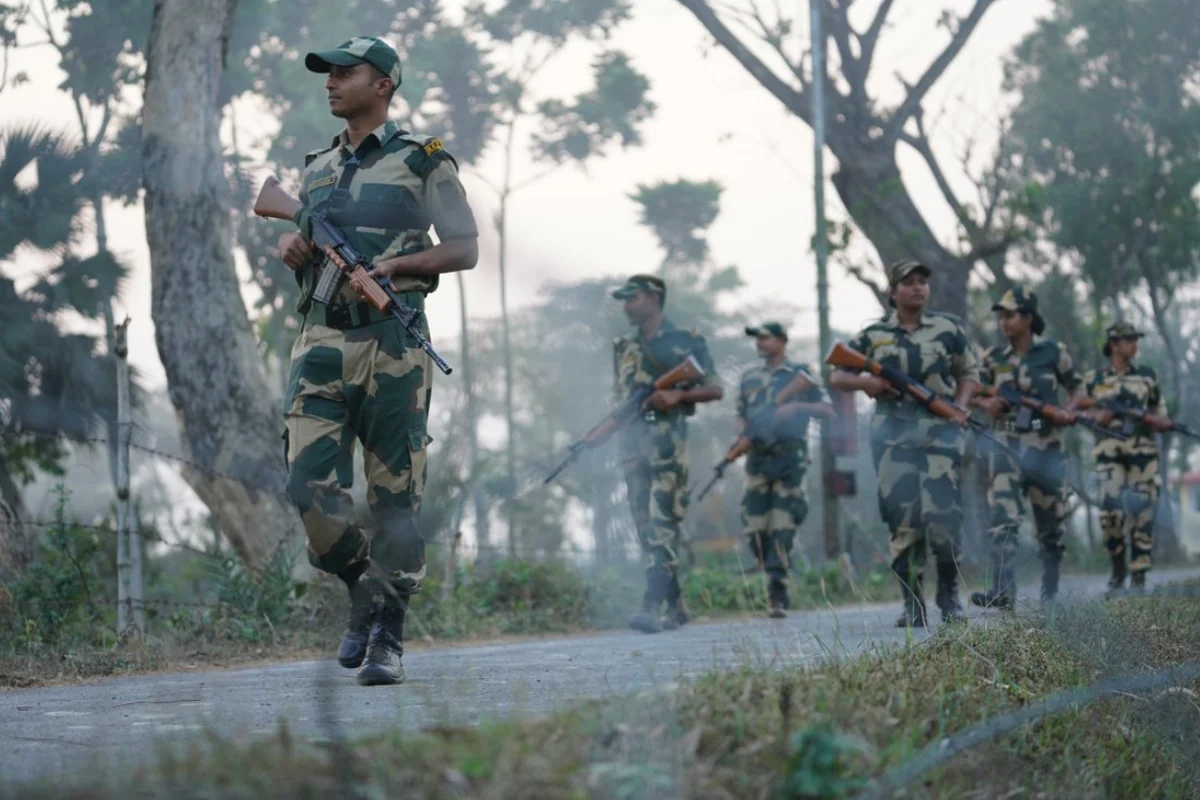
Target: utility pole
[
  {"x": 130, "y": 613},
  {"x": 829, "y": 505}
]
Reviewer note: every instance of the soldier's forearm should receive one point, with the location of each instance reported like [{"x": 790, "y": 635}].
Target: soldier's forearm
[
  {"x": 966, "y": 391},
  {"x": 452, "y": 255},
  {"x": 701, "y": 394}
]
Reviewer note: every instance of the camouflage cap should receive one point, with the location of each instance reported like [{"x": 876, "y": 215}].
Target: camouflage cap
[
  {"x": 359, "y": 50},
  {"x": 775, "y": 329},
  {"x": 1122, "y": 330},
  {"x": 902, "y": 269},
  {"x": 1017, "y": 299},
  {"x": 651, "y": 284}
]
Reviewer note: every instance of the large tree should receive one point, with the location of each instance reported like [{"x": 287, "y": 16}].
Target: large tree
[{"x": 865, "y": 134}]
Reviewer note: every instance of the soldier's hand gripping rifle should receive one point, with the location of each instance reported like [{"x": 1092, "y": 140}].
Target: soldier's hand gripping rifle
[
  {"x": 687, "y": 371},
  {"x": 1028, "y": 405},
  {"x": 275, "y": 203},
  {"x": 752, "y": 434},
  {"x": 1132, "y": 416},
  {"x": 840, "y": 355}
]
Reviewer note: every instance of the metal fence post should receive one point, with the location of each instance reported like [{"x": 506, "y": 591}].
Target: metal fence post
[{"x": 129, "y": 540}]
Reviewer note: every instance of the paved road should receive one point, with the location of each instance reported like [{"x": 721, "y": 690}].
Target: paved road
[{"x": 69, "y": 729}]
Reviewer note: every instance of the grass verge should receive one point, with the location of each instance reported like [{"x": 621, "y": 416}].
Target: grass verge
[{"x": 769, "y": 732}]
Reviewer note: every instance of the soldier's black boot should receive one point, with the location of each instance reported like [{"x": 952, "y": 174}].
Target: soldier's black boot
[
  {"x": 1051, "y": 568},
  {"x": 947, "y": 592},
  {"x": 381, "y": 666},
  {"x": 1116, "y": 581},
  {"x": 1137, "y": 581},
  {"x": 353, "y": 647},
  {"x": 777, "y": 597},
  {"x": 911, "y": 582},
  {"x": 676, "y": 616},
  {"x": 647, "y": 620},
  {"x": 1002, "y": 595}
]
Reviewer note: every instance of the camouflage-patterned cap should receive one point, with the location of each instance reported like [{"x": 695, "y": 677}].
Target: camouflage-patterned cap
[
  {"x": 775, "y": 329},
  {"x": 359, "y": 50},
  {"x": 1017, "y": 299},
  {"x": 1122, "y": 330},
  {"x": 651, "y": 284},
  {"x": 902, "y": 269}
]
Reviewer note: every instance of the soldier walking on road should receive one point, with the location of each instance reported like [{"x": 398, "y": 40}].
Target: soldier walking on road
[
  {"x": 775, "y": 402},
  {"x": 654, "y": 446},
  {"x": 1039, "y": 367},
  {"x": 1130, "y": 480},
  {"x": 356, "y": 372},
  {"x": 917, "y": 455}
]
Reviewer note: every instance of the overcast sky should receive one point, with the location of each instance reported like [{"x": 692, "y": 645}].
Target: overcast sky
[{"x": 713, "y": 122}]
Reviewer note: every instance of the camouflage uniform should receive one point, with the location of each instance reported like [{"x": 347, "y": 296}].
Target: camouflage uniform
[
  {"x": 917, "y": 454},
  {"x": 653, "y": 447},
  {"x": 355, "y": 371},
  {"x": 1130, "y": 480},
  {"x": 774, "y": 504},
  {"x": 1041, "y": 476}
]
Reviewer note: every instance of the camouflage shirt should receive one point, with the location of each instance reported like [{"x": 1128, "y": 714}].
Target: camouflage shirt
[
  {"x": 1041, "y": 372},
  {"x": 756, "y": 403},
  {"x": 405, "y": 184},
  {"x": 1137, "y": 388},
  {"x": 638, "y": 362},
  {"x": 937, "y": 353}
]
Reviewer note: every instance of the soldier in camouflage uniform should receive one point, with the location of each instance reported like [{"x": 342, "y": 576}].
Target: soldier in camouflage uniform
[
  {"x": 654, "y": 446},
  {"x": 1130, "y": 480},
  {"x": 775, "y": 425},
  {"x": 918, "y": 455},
  {"x": 1040, "y": 367},
  {"x": 356, "y": 373}
]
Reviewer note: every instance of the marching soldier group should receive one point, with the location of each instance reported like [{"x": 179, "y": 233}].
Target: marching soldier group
[{"x": 358, "y": 374}]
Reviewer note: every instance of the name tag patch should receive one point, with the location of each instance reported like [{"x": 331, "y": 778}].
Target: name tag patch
[{"x": 317, "y": 184}]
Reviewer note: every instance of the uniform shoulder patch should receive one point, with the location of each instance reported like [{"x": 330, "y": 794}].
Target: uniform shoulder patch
[
  {"x": 432, "y": 146},
  {"x": 312, "y": 155}
]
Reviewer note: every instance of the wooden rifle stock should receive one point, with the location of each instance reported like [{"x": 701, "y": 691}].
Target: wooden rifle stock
[
  {"x": 274, "y": 202},
  {"x": 841, "y": 355}
]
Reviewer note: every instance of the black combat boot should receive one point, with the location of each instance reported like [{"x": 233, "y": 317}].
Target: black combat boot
[
  {"x": 911, "y": 584},
  {"x": 353, "y": 647},
  {"x": 676, "y": 616},
  {"x": 777, "y": 596},
  {"x": 1051, "y": 567},
  {"x": 1116, "y": 581},
  {"x": 947, "y": 591},
  {"x": 646, "y": 620},
  {"x": 1137, "y": 581},
  {"x": 1003, "y": 593},
  {"x": 382, "y": 666}
]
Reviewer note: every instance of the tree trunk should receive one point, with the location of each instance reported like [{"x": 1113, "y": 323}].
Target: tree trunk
[
  {"x": 16, "y": 540},
  {"x": 214, "y": 375},
  {"x": 869, "y": 184}
]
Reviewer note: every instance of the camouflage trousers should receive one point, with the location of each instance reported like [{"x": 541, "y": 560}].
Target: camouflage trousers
[
  {"x": 654, "y": 461},
  {"x": 773, "y": 507},
  {"x": 1129, "y": 486},
  {"x": 919, "y": 497},
  {"x": 1040, "y": 480},
  {"x": 371, "y": 383}
]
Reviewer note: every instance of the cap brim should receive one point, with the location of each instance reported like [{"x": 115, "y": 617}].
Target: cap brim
[
  {"x": 1002, "y": 307},
  {"x": 752, "y": 331},
  {"x": 624, "y": 293},
  {"x": 322, "y": 62}
]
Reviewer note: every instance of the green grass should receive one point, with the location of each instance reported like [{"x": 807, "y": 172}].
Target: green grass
[{"x": 774, "y": 733}]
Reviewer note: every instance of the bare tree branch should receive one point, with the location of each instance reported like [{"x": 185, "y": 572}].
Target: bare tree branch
[
  {"x": 869, "y": 39},
  {"x": 773, "y": 38},
  {"x": 878, "y": 289},
  {"x": 795, "y": 101},
  {"x": 852, "y": 70},
  {"x": 917, "y": 92}
]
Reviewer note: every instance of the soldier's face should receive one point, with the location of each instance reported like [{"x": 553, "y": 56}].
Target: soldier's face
[
  {"x": 768, "y": 346},
  {"x": 640, "y": 307},
  {"x": 912, "y": 292},
  {"x": 1014, "y": 323},
  {"x": 1126, "y": 346},
  {"x": 353, "y": 91}
]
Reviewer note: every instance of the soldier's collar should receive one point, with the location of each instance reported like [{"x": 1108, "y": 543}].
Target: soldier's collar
[
  {"x": 893, "y": 320},
  {"x": 383, "y": 134},
  {"x": 666, "y": 327}
]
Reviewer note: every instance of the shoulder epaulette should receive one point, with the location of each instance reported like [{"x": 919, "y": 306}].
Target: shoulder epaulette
[
  {"x": 311, "y": 155},
  {"x": 427, "y": 152}
]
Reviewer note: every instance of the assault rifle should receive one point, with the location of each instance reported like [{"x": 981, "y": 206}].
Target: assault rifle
[
  {"x": 1131, "y": 417},
  {"x": 688, "y": 370},
  {"x": 840, "y": 355},
  {"x": 1028, "y": 406},
  {"x": 749, "y": 438},
  {"x": 344, "y": 260}
]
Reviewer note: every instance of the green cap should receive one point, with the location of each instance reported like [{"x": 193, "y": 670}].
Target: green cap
[
  {"x": 902, "y": 269},
  {"x": 359, "y": 50},
  {"x": 1017, "y": 299},
  {"x": 651, "y": 284},
  {"x": 1123, "y": 330},
  {"x": 775, "y": 329}
]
